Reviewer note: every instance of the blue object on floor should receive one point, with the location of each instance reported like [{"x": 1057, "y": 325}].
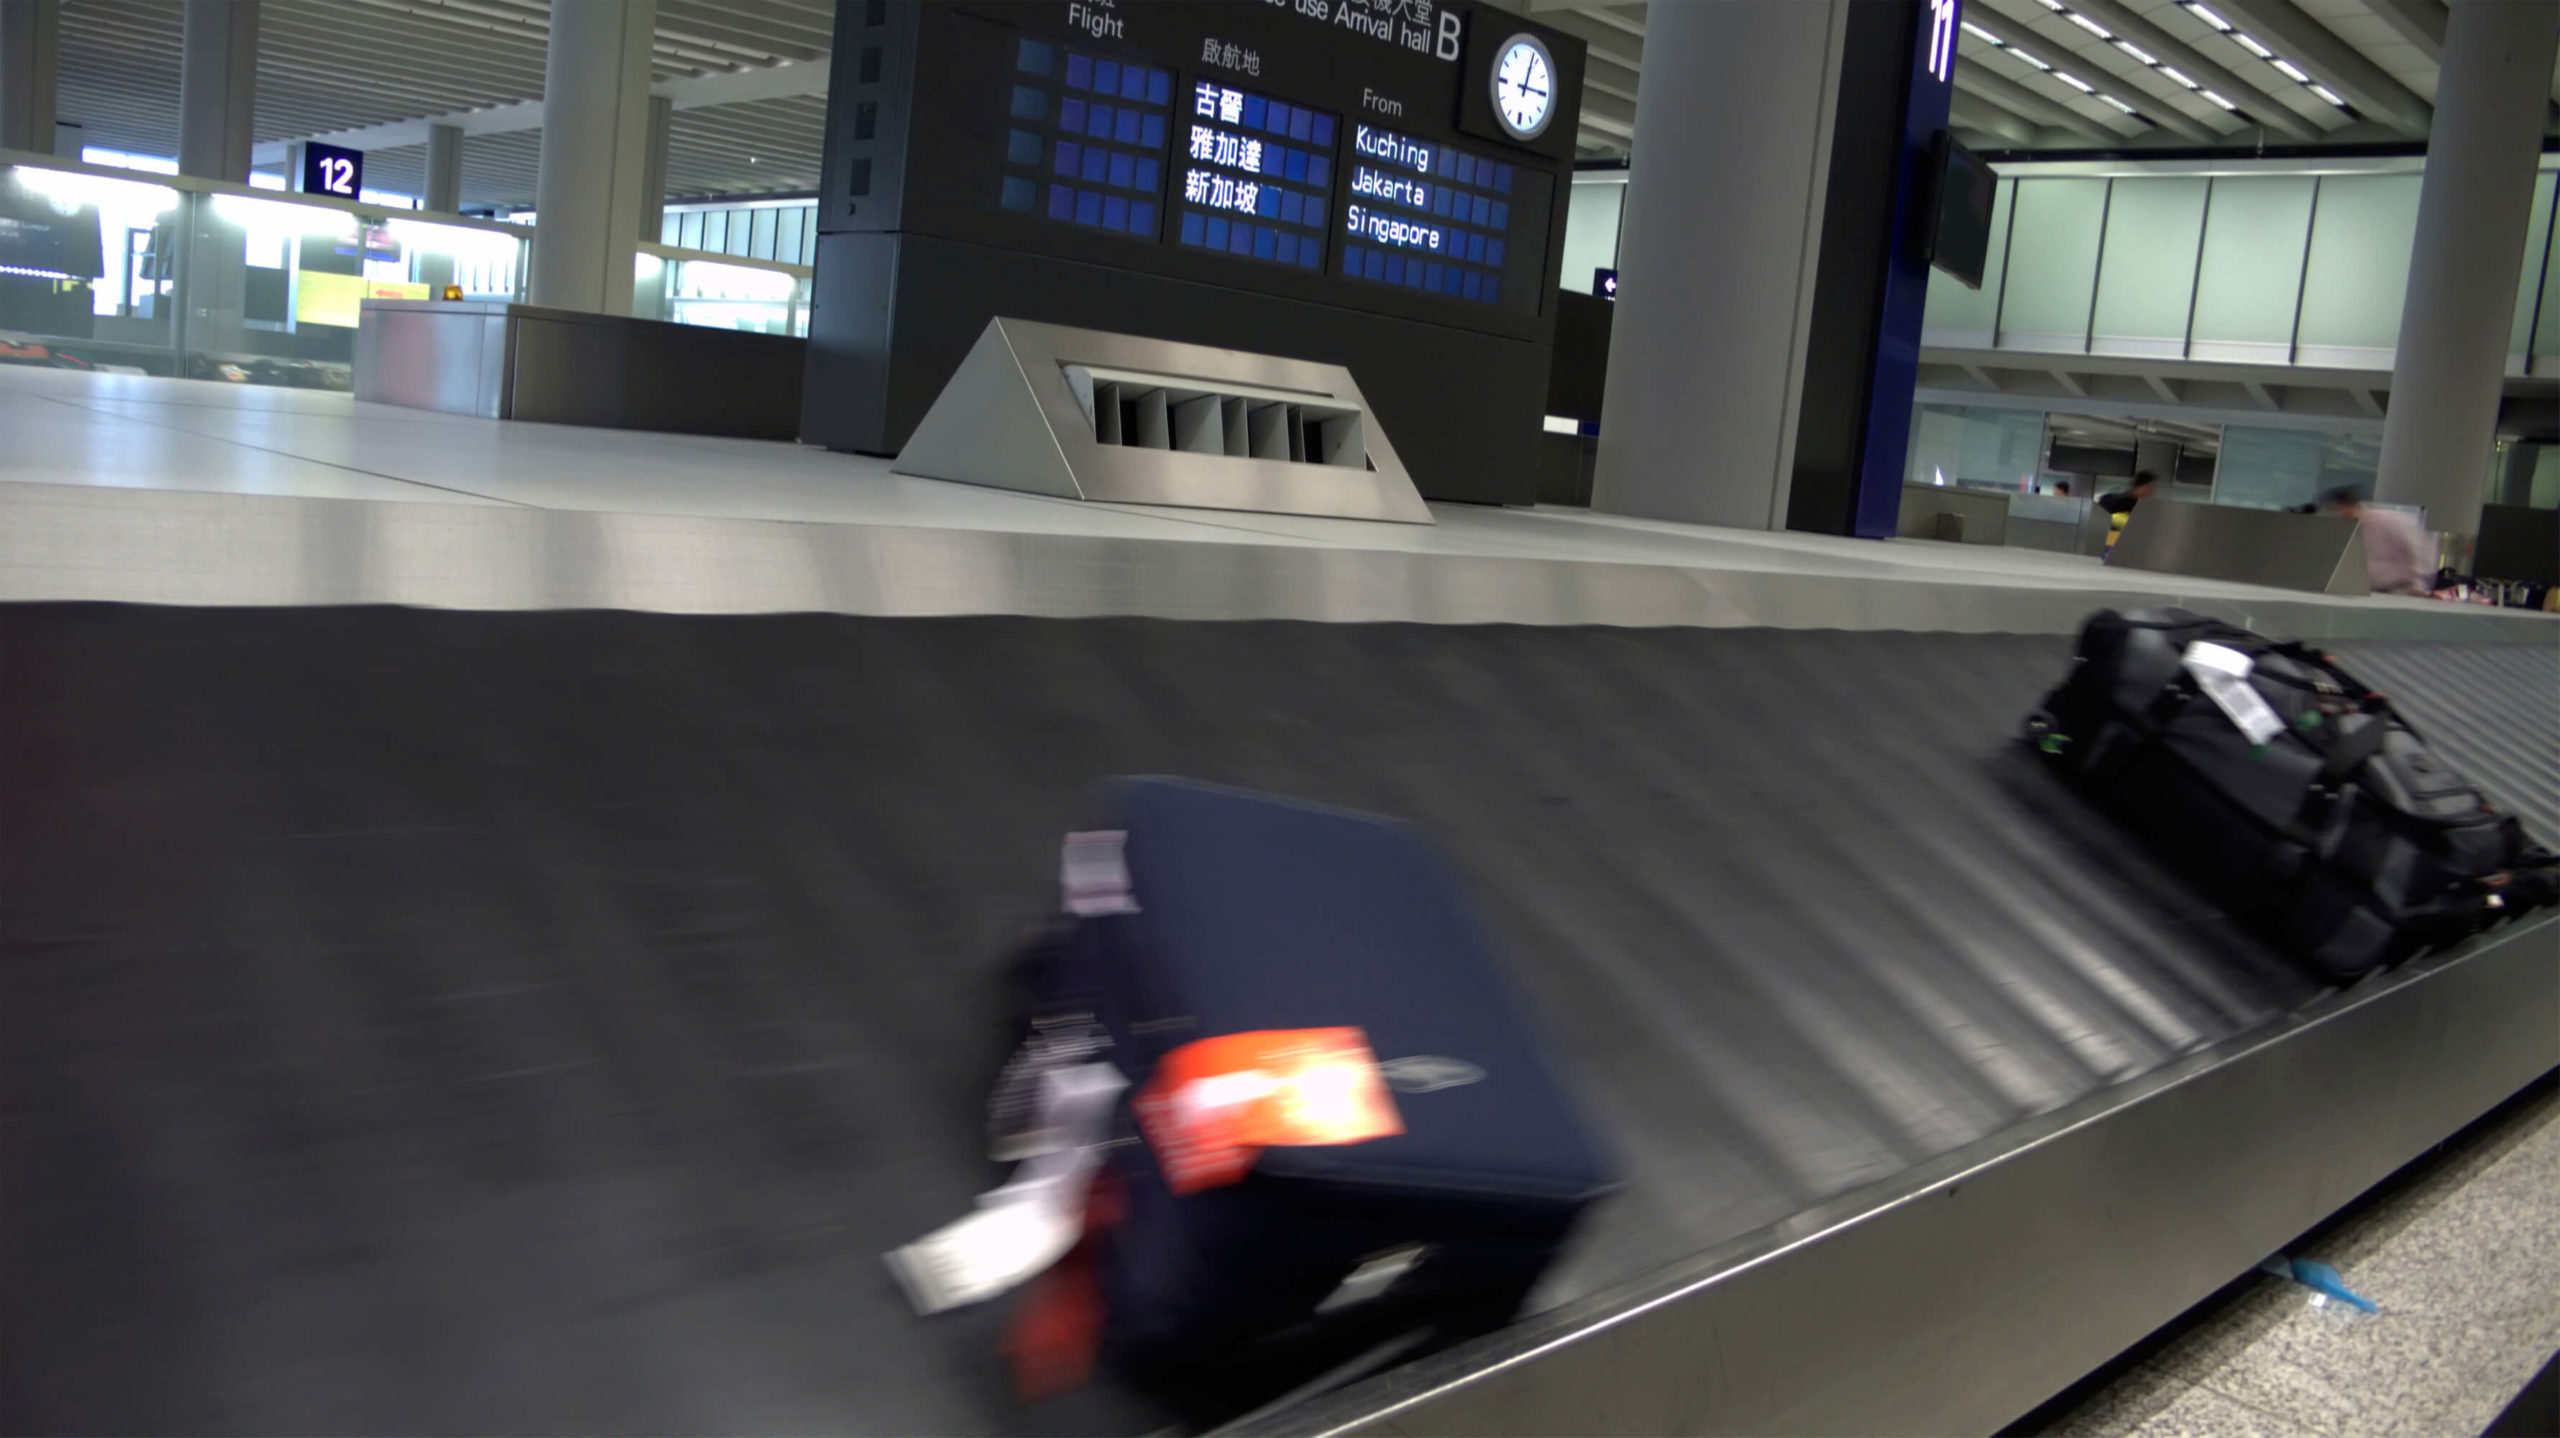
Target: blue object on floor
[{"x": 2319, "y": 1278}]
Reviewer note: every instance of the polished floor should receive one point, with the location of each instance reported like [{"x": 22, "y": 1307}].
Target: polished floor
[
  {"x": 2462, "y": 1252},
  {"x": 119, "y": 433}
]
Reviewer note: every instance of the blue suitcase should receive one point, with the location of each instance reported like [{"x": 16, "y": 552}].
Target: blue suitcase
[{"x": 1206, "y": 911}]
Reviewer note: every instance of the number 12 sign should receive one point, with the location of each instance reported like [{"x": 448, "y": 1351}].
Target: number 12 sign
[{"x": 328, "y": 170}]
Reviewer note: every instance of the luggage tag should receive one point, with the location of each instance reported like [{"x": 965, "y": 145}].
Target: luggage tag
[
  {"x": 1093, "y": 874},
  {"x": 1033, "y": 1220},
  {"x": 2222, "y": 673},
  {"x": 1214, "y": 1104}
]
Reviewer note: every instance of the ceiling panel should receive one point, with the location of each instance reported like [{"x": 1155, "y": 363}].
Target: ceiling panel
[
  {"x": 2174, "y": 17},
  {"x": 1615, "y": 33},
  {"x": 328, "y": 65}
]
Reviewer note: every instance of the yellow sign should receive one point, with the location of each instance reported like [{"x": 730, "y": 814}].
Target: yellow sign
[{"x": 322, "y": 299}]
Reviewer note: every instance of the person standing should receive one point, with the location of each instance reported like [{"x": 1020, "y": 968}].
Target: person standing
[
  {"x": 2119, "y": 505},
  {"x": 2398, "y": 556},
  {"x": 2123, "y": 500}
]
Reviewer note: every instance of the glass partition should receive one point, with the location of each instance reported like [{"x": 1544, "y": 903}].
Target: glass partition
[
  {"x": 217, "y": 282},
  {"x": 2257, "y": 267},
  {"x": 2535, "y": 343},
  {"x": 2357, "y": 271},
  {"x": 2147, "y": 267},
  {"x": 1592, "y": 211},
  {"x": 87, "y": 270},
  {"x": 2249, "y": 280},
  {"x": 720, "y": 292},
  {"x": 2054, "y": 230},
  {"x": 1975, "y": 448},
  {"x": 2268, "y": 468}
]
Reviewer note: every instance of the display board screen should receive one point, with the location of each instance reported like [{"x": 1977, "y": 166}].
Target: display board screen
[
  {"x": 1258, "y": 182},
  {"x": 1962, "y": 188},
  {"x": 1085, "y": 142},
  {"x": 1429, "y": 217},
  {"x": 1244, "y": 145}
]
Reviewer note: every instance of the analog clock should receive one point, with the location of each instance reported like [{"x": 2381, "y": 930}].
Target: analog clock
[{"x": 1524, "y": 86}]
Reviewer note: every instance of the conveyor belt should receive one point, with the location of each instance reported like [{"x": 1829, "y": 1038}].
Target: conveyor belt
[{"x": 436, "y": 1021}]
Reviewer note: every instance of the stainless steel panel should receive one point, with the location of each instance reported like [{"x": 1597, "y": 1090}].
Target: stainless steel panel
[
  {"x": 449, "y": 358},
  {"x": 2323, "y": 553},
  {"x": 570, "y": 367},
  {"x": 509, "y": 361},
  {"x": 2042, "y": 534},
  {"x": 1982, "y": 514},
  {"x": 1035, "y": 407},
  {"x": 1957, "y": 1295},
  {"x": 175, "y": 547}
]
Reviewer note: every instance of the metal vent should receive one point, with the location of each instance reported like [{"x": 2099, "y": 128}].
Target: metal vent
[
  {"x": 1087, "y": 414},
  {"x": 1144, "y": 411}
]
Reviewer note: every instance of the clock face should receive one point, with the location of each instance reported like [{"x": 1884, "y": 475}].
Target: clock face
[{"x": 1524, "y": 86}]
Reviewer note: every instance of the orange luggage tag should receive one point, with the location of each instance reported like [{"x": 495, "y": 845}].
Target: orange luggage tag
[{"x": 1214, "y": 1104}]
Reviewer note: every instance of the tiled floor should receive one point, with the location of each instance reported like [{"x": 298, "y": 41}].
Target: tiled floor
[{"x": 2462, "y": 1254}]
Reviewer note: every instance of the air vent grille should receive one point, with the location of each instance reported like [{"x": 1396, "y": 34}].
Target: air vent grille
[{"x": 1197, "y": 416}]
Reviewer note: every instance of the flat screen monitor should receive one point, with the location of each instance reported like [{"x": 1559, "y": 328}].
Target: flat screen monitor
[{"x": 1959, "y": 215}]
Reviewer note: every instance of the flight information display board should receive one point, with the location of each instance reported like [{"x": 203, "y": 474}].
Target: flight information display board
[
  {"x": 1435, "y": 217},
  {"x": 1309, "y": 177},
  {"x": 1259, "y": 178},
  {"x": 1086, "y": 141},
  {"x": 1346, "y": 151}
]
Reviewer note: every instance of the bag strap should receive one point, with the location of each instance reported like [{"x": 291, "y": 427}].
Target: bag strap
[
  {"x": 2365, "y": 697},
  {"x": 2353, "y": 748}
]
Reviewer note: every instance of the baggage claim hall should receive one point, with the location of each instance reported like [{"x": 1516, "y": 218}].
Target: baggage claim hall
[{"x": 1298, "y": 716}]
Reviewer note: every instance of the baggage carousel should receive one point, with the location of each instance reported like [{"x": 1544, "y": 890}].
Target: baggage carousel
[{"x": 447, "y": 1021}]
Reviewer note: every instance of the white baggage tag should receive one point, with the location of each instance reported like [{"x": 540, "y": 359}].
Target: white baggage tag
[
  {"x": 2223, "y": 674},
  {"x": 1031, "y": 1222},
  {"x": 1093, "y": 874}
]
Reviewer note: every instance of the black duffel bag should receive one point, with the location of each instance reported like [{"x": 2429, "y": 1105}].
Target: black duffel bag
[{"x": 2297, "y": 794}]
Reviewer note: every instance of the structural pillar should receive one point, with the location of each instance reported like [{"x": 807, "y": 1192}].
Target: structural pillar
[
  {"x": 595, "y": 140},
  {"x": 440, "y": 193},
  {"x": 30, "y": 48},
  {"x": 2515, "y": 473},
  {"x": 1893, "y": 94},
  {"x": 2466, "y": 259},
  {"x": 218, "y": 89},
  {"x": 443, "y": 190},
  {"x": 2157, "y": 456},
  {"x": 217, "y": 105},
  {"x": 653, "y": 174},
  {"x": 1716, "y": 261}
]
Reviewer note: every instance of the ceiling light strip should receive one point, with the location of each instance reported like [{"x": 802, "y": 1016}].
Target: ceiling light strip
[
  {"x": 2250, "y": 43},
  {"x": 2074, "y": 81}
]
